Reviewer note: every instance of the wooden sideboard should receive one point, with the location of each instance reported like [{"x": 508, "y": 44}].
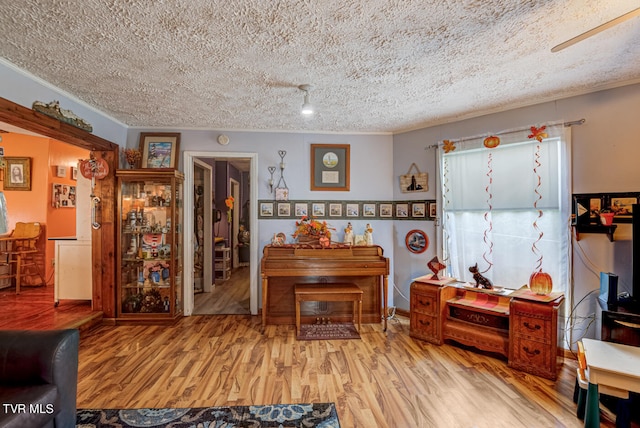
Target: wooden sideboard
[
  {"x": 283, "y": 267},
  {"x": 516, "y": 324}
]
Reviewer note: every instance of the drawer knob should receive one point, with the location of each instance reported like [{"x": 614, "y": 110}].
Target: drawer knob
[
  {"x": 534, "y": 352},
  {"x": 425, "y": 322},
  {"x": 530, "y": 327},
  {"x": 424, "y": 303}
]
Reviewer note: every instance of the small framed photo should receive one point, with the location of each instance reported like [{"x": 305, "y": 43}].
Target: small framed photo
[
  {"x": 386, "y": 210},
  {"x": 433, "y": 209},
  {"x": 159, "y": 150},
  {"x": 353, "y": 210},
  {"x": 402, "y": 210},
  {"x": 284, "y": 209},
  {"x": 418, "y": 209},
  {"x": 301, "y": 209},
  {"x": 330, "y": 167},
  {"x": 622, "y": 207},
  {"x": 17, "y": 173},
  {"x": 317, "y": 209},
  {"x": 335, "y": 210},
  {"x": 74, "y": 173},
  {"x": 368, "y": 210},
  {"x": 61, "y": 171},
  {"x": 266, "y": 209}
]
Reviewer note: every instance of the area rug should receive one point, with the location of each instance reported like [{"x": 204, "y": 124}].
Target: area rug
[
  {"x": 321, "y": 415},
  {"x": 331, "y": 331}
]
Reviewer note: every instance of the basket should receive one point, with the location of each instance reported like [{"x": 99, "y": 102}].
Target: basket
[{"x": 414, "y": 181}]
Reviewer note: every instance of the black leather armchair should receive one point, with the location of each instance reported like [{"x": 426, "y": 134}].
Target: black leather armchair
[{"x": 38, "y": 378}]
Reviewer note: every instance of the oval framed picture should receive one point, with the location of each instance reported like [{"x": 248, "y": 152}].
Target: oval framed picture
[{"x": 416, "y": 241}]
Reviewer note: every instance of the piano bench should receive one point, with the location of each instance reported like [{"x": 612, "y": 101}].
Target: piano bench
[{"x": 339, "y": 292}]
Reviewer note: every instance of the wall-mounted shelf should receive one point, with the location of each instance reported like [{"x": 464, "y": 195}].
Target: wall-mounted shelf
[{"x": 595, "y": 228}]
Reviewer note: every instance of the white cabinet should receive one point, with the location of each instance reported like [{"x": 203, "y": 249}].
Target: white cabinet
[{"x": 73, "y": 270}]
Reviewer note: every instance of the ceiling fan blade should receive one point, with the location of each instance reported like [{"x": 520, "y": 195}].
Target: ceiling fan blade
[{"x": 596, "y": 30}]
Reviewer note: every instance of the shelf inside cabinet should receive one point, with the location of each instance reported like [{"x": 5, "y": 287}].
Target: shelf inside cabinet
[{"x": 595, "y": 228}]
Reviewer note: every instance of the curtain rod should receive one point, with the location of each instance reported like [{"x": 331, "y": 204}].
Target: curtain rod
[{"x": 565, "y": 124}]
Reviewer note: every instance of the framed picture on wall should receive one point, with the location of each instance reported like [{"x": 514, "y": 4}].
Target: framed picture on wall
[
  {"x": 418, "y": 209},
  {"x": 159, "y": 150},
  {"x": 63, "y": 196},
  {"x": 402, "y": 210},
  {"x": 335, "y": 210},
  {"x": 386, "y": 210},
  {"x": 266, "y": 209},
  {"x": 284, "y": 209},
  {"x": 368, "y": 210},
  {"x": 317, "y": 209},
  {"x": 17, "y": 173},
  {"x": 301, "y": 209},
  {"x": 330, "y": 167},
  {"x": 353, "y": 210}
]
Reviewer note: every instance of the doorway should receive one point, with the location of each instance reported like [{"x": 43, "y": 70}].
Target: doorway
[{"x": 243, "y": 274}]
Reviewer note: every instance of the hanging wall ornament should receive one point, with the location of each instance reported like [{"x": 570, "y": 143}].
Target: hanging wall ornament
[
  {"x": 491, "y": 142},
  {"x": 539, "y": 282},
  {"x": 487, "y": 214},
  {"x": 538, "y": 133},
  {"x": 448, "y": 146}
]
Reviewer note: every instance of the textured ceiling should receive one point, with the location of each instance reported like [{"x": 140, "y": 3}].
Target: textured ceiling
[{"x": 376, "y": 65}]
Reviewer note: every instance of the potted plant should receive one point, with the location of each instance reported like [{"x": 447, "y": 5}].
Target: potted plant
[{"x": 606, "y": 217}]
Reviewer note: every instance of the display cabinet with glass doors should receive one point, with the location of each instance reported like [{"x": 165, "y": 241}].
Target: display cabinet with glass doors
[{"x": 150, "y": 245}]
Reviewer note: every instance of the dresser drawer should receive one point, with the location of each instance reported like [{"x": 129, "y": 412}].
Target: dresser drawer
[
  {"x": 532, "y": 352},
  {"x": 424, "y": 326},
  {"x": 537, "y": 328},
  {"x": 425, "y": 303}
]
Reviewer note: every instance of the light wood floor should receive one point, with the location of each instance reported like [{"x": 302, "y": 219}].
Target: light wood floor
[
  {"x": 227, "y": 297},
  {"x": 382, "y": 380}
]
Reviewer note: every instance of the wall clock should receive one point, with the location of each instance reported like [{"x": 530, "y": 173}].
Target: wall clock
[{"x": 416, "y": 241}]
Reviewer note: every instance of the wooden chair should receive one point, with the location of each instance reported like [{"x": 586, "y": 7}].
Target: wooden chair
[{"x": 21, "y": 250}]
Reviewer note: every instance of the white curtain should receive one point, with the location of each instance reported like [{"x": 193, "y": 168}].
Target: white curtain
[{"x": 507, "y": 208}]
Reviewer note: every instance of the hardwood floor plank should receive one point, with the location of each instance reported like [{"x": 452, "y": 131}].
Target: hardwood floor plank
[{"x": 382, "y": 380}]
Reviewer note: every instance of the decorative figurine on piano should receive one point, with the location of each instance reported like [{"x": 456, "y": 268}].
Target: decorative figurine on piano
[
  {"x": 368, "y": 235},
  {"x": 348, "y": 234}
]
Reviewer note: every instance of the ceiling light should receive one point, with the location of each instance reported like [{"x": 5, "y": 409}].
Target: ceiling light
[{"x": 307, "y": 107}]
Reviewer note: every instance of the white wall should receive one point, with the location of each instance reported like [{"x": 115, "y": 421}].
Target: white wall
[{"x": 605, "y": 155}]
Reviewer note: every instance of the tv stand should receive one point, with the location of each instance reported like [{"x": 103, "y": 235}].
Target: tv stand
[
  {"x": 619, "y": 323},
  {"x": 515, "y": 324}
]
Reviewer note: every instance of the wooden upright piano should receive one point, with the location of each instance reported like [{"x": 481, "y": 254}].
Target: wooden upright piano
[{"x": 284, "y": 266}]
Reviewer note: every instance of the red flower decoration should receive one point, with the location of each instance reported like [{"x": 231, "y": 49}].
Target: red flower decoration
[{"x": 538, "y": 133}]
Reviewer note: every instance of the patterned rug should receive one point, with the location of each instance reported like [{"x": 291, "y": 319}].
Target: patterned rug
[
  {"x": 333, "y": 331},
  {"x": 322, "y": 415}
]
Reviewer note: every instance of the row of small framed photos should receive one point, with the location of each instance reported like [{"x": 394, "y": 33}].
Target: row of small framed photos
[
  {"x": 588, "y": 206},
  {"x": 398, "y": 210}
]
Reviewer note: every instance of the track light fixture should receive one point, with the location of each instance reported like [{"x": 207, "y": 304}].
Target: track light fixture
[{"x": 307, "y": 107}]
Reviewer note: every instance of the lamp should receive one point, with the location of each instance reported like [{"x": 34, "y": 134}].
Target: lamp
[{"x": 307, "y": 107}]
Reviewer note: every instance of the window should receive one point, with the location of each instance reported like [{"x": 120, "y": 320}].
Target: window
[{"x": 507, "y": 208}]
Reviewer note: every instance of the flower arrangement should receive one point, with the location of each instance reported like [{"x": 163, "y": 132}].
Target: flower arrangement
[
  {"x": 229, "y": 203},
  {"x": 312, "y": 228},
  {"x": 132, "y": 156}
]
